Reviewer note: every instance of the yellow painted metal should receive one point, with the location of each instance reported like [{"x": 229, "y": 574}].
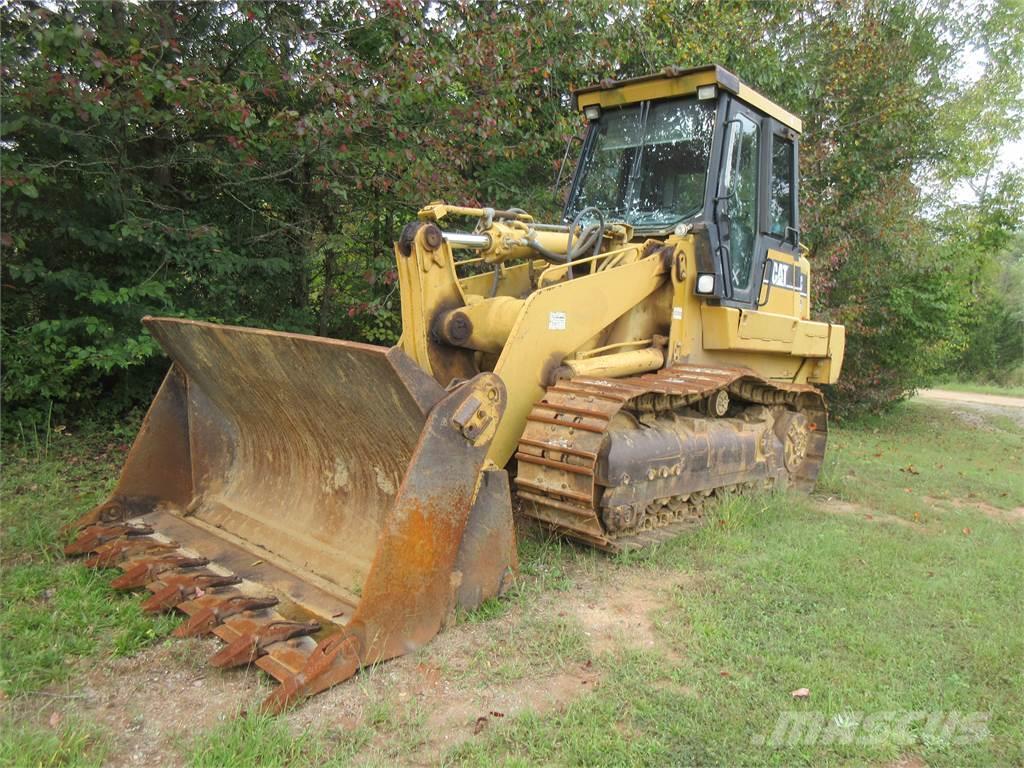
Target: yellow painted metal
[
  {"x": 786, "y": 301},
  {"x": 514, "y": 280},
  {"x": 774, "y": 340},
  {"x": 670, "y": 85},
  {"x": 647, "y": 89},
  {"x": 685, "y": 307},
  {"x": 555, "y": 322},
  {"x": 608, "y": 259},
  {"x": 508, "y": 241},
  {"x": 437, "y": 210},
  {"x": 615, "y": 347},
  {"x": 826, "y": 369},
  {"x": 614, "y": 365},
  {"x": 729, "y": 328},
  {"x": 770, "y": 108},
  {"x": 429, "y": 287},
  {"x": 483, "y": 324},
  {"x": 766, "y": 327}
]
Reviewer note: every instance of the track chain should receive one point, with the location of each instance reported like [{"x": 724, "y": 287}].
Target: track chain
[{"x": 560, "y": 446}]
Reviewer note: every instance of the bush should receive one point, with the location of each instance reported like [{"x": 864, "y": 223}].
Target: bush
[{"x": 251, "y": 163}]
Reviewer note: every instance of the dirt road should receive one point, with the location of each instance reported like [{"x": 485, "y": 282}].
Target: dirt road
[{"x": 971, "y": 397}]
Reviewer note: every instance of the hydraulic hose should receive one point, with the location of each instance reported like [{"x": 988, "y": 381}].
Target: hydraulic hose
[
  {"x": 581, "y": 246},
  {"x": 588, "y": 244}
]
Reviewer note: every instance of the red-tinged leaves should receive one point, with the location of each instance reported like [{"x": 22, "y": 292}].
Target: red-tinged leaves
[{"x": 256, "y": 164}]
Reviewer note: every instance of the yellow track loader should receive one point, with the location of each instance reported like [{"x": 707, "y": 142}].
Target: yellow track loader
[{"x": 322, "y": 505}]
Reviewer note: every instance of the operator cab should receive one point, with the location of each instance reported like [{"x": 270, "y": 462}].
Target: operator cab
[{"x": 695, "y": 150}]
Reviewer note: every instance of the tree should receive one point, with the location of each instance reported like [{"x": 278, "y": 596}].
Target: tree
[{"x": 252, "y": 162}]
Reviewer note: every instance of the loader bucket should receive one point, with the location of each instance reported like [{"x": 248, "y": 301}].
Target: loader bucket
[{"x": 288, "y": 489}]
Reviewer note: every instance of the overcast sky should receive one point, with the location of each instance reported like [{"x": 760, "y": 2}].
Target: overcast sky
[{"x": 1011, "y": 154}]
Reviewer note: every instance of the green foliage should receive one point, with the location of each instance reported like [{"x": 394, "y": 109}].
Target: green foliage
[
  {"x": 251, "y": 163},
  {"x": 993, "y": 348}
]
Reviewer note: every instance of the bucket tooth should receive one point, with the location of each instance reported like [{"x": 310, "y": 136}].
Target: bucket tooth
[
  {"x": 283, "y": 660},
  {"x": 251, "y": 623},
  {"x": 248, "y": 647},
  {"x": 168, "y": 591},
  {"x": 142, "y": 571},
  {"x": 106, "y": 513},
  {"x": 95, "y": 535},
  {"x": 117, "y": 551},
  {"x": 208, "y": 617},
  {"x": 335, "y": 659}
]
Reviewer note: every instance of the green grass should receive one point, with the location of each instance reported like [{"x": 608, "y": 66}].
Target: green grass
[
  {"x": 1008, "y": 390},
  {"x": 896, "y": 588},
  {"x": 536, "y": 645},
  {"x": 873, "y": 616},
  {"x": 53, "y": 611},
  {"x": 71, "y": 745},
  {"x": 52, "y": 615},
  {"x": 905, "y": 461},
  {"x": 257, "y": 741},
  {"x": 546, "y": 563}
]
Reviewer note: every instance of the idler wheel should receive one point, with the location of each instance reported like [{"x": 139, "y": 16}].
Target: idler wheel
[{"x": 793, "y": 429}]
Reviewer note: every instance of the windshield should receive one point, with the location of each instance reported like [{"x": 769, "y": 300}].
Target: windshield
[{"x": 647, "y": 163}]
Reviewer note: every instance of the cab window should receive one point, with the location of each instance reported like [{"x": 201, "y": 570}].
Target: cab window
[{"x": 780, "y": 199}]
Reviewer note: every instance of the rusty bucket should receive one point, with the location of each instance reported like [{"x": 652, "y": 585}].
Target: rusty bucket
[{"x": 318, "y": 504}]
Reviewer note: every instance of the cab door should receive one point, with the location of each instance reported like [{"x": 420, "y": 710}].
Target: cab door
[
  {"x": 785, "y": 274},
  {"x": 756, "y": 212},
  {"x": 738, "y": 206}
]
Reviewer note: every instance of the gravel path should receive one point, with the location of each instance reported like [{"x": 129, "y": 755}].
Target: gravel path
[{"x": 971, "y": 397}]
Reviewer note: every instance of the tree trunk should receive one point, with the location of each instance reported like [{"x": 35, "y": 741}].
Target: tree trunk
[{"x": 327, "y": 298}]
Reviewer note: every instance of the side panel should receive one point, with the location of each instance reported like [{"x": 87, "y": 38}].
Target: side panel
[
  {"x": 554, "y": 323},
  {"x": 728, "y": 328},
  {"x": 776, "y": 344},
  {"x": 785, "y": 286}
]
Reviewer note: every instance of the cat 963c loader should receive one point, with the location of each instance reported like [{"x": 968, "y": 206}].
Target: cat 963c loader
[{"x": 321, "y": 505}]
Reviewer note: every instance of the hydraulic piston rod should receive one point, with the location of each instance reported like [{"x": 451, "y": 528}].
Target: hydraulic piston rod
[
  {"x": 466, "y": 240},
  {"x": 507, "y": 240}
]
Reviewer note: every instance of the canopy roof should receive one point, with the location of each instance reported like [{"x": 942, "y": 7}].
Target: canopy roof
[{"x": 674, "y": 82}]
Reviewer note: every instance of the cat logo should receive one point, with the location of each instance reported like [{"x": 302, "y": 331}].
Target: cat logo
[{"x": 779, "y": 274}]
